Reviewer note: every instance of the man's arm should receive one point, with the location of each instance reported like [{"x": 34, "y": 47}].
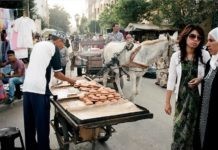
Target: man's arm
[
  {"x": 17, "y": 74},
  {"x": 3, "y": 64},
  {"x": 59, "y": 75},
  {"x": 56, "y": 64}
]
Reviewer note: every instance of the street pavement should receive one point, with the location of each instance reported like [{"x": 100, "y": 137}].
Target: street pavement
[{"x": 148, "y": 134}]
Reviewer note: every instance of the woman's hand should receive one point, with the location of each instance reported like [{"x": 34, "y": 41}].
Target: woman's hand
[
  {"x": 168, "y": 108},
  {"x": 194, "y": 82}
]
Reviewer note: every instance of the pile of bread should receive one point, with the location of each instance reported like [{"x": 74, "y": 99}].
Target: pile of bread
[{"x": 96, "y": 93}]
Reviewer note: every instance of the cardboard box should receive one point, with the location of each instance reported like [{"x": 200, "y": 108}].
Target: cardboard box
[{"x": 89, "y": 134}]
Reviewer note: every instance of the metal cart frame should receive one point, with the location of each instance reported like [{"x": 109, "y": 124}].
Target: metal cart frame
[{"x": 67, "y": 127}]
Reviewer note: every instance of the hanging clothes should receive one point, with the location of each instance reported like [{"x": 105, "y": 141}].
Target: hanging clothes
[
  {"x": 25, "y": 27},
  {"x": 5, "y": 46}
]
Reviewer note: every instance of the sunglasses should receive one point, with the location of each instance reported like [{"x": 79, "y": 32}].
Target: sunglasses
[{"x": 194, "y": 36}]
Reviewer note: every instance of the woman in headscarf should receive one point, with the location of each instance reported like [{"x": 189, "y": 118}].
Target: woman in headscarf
[{"x": 209, "y": 109}]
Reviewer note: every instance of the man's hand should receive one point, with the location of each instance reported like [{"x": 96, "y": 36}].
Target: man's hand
[
  {"x": 59, "y": 75},
  {"x": 72, "y": 81}
]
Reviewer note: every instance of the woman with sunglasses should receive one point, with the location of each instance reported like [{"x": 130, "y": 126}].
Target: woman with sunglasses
[
  {"x": 208, "y": 117},
  {"x": 187, "y": 66}
]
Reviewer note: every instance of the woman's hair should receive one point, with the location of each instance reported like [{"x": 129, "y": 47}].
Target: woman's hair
[{"x": 182, "y": 42}]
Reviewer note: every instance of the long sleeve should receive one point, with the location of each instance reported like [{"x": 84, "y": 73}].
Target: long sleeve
[{"x": 172, "y": 73}]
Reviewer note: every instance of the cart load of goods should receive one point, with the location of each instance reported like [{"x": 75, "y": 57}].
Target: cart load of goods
[
  {"x": 88, "y": 92},
  {"x": 87, "y": 100},
  {"x": 95, "y": 93}
]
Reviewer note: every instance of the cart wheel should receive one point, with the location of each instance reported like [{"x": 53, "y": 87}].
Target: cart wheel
[
  {"x": 121, "y": 84},
  {"x": 61, "y": 131},
  {"x": 104, "y": 136}
]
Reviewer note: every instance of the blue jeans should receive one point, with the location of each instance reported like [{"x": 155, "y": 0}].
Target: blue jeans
[{"x": 12, "y": 82}]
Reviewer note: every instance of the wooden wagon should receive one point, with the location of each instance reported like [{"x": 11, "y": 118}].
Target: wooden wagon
[{"x": 75, "y": 122}]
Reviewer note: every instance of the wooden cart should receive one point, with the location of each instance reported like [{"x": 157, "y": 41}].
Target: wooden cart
[{"x": 87, "y": 124}]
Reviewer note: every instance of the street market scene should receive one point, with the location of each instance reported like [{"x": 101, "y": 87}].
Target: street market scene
[{"x": 108, "y": 74}]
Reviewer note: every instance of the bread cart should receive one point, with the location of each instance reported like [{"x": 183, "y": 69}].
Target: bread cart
[{"x": 75, "y": 122}]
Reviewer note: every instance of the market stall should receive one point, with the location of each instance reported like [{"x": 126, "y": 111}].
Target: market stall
[{"x": 87, "y": 111}]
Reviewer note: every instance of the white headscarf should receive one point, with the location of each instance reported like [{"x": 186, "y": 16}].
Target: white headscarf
[{"x": 214, "y": 58}]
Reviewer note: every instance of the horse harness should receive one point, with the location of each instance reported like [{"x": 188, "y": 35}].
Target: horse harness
[{"x": 115, "y": 61}]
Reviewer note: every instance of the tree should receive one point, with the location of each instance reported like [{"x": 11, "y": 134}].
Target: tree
[
  {"x": 94, "y": 26},
  {"x": 124, "y": 12},
  {"x": 180, "y": 12},
  {"x": 32, "y": 7},
  {"x": 83, "y": 26},
  {"x": 108, "y": 17},
  {"x": 131, "y": 11},
  {"x": 59, "y": 19}
]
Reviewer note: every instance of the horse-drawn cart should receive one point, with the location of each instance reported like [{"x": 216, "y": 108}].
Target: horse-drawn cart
[
  {"x": 88, "y": 56},
  {"x": 76, "y": 122},
  {"x": 91, "y": 61}
]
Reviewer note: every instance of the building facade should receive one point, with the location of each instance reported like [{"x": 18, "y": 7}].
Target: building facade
[
  {"x": 42, "y": 9},
  {"x": 96, "y": 7}
]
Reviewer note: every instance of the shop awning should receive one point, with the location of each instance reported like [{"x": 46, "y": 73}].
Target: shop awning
[
  {"x": 11, "y": 4},
  {"x": 141, "y": 27}
]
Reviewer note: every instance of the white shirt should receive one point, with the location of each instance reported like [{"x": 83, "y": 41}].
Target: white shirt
[
  {"x": 175, "y": 71},
  {"x": 35, "y": 80},
  {"x": 25, "y": 27}
]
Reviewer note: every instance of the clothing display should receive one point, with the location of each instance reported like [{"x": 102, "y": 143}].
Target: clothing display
[
  {"x": 25, "y": 27},
  {"x": 20, "y": 36},
  {"x": 6, "y": 16}
]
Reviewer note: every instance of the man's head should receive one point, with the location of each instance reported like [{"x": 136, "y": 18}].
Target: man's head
[
  {"x": 11, "y": 56},
  {"x": 100, "y": 36},
  {"x": 58, "y": 38},
  {"x": 116, "y": 27}
]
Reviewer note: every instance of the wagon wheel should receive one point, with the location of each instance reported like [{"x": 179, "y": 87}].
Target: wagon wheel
[
  {"x": 61, "y": 129},
  {"x": 104, "y": 136}
]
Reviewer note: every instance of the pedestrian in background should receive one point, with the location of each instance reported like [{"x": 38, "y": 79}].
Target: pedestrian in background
[
  {"x": 208, "y": 119},
  {"x": 64, "y": 55},
  {"x": 16, "y": 77},
  {"x": 129, "y": 38},
  {"x": 101, "y": 41},
  {"x": 36, "y": 96},
  {"x": 115, "y": 35},
  {"x": 186, "y": 71}
]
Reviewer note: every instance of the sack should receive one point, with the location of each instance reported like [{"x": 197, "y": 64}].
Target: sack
[{"x": 3, "y": 94}]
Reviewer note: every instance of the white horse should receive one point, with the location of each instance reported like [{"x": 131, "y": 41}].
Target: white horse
[{"x": 136, "y": 60}]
